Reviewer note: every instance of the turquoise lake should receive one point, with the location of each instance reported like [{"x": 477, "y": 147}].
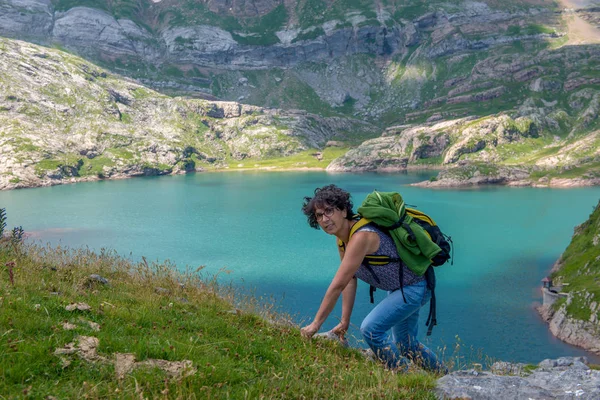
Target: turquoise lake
[{"x": 506, "y": 240}]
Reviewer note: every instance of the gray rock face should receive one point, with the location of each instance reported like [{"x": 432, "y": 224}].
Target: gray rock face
[
  {"x": 209, "y": 46},
  {"x": 26, "y": 18},
  {"x": 213, "y": 47},
  {"x": 80, "y": 27},
  {"x": 565, "y": 378}
]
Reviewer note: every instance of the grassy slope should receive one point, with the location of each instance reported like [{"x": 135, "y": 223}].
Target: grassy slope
[
  {"x": 235, "y": 354},
  {"x": 581, "y": 268}
]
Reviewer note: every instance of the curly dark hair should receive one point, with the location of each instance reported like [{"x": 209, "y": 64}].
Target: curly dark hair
[{"x": 327, "y": 196}]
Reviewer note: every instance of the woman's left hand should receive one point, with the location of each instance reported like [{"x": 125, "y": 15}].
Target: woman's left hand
[{"x": 309, "y": 330}]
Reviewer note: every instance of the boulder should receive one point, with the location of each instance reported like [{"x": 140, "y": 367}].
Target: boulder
[{"x": 564, "y": 378}]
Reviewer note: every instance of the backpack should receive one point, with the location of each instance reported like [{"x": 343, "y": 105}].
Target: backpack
[{"x": 435, "y": 234}]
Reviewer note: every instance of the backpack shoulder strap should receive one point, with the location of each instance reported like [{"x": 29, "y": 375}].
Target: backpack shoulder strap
[
  {"x": 420, "y": 215},
  {"x": 359, "y": 224}
]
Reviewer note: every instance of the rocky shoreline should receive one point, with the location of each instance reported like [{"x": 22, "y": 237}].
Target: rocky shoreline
[
  {"x": 558, "y": 183},
  {"x": 444, "y": 183},
  {"x": 576, "y": 332}
]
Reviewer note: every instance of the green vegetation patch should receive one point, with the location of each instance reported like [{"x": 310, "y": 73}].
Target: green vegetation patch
[
  {"x": 591, "y": 169},
  {"x": 315, "y": 12},
  {"x": 64, "y": 5},
  {"x": 25, "y": 145},
  {"x": 122, "y": 153},
  {"x": 536, "y": 29},
  {"x": 581, "y": 268},
  {"x": 95, "y": 166},
  {"x": 411, "y": 11},
  {"x": 309, "y": 34},
  {"x": 312, "y": 158},
  {"x": 47, "y": 165},
  {"x": 153, "y": 312},
  {"x": 69, "y": 164}
]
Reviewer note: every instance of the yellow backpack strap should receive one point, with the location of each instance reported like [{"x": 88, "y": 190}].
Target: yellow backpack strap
[
  {"x": 420, "y": 215},
  {"x": 359, "y": 224}
]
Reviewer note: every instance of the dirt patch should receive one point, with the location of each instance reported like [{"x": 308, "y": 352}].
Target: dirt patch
[
  {"x": 176, "y": 369},
  {"x": 86, "y": 347},
  {"x": 578, "y": 3},
  {"x": 124, "y": 364},
  {"x": 579, "y": 31},
  {"x": 67, "y": 326}
]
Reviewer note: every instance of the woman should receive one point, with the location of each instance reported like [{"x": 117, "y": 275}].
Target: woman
[{"x": 331, "y": 210}]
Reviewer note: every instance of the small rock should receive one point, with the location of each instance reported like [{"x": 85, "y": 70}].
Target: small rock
[
  {"x": 67, "y": 326},
  {"x": 161, "y": 290},
  {"x": 94, "y": 325},
  {"x": 329, "y": 335},
  {"x": 78, "y": 306},
  {"x": 97, "y": 278}
]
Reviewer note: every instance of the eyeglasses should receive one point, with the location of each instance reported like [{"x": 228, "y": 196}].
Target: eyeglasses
[{"x": 327, "y": 212}]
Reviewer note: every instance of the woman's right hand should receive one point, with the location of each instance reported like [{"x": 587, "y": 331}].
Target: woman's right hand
[{"x": 341, "y": 329}]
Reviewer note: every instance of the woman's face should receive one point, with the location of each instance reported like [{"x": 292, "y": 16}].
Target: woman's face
[{"x": 330, "y": 218}]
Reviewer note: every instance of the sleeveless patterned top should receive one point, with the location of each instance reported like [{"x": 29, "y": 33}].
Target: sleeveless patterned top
[{"x": 389, "y": 274}]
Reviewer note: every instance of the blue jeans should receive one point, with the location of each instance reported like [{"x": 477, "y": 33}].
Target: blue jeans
[{"x": 402, "y": 318}]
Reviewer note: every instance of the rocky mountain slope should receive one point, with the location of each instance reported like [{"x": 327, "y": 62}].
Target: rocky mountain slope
[
  {"x": 379, "y": 60},
  {"x": 491, "y": 92},
  {"x": 575, "y": 319},
  {"x": 64, "y": 119}
]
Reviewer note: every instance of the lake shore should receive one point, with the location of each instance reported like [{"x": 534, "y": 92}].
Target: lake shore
[{"x": 444, "y": 183}]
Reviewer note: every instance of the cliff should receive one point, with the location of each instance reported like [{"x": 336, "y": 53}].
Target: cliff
[
  {"x": 63, "y": 119},
  {"x": 574, "y": 319},
  {"x": 376, "y": 60}
]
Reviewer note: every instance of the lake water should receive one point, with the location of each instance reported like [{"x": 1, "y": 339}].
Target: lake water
[{"x": 506, "y": 240}]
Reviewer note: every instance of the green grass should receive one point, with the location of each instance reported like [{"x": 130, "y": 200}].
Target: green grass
[
  {"x": 126, "y": 118},
  {"x": 46, "y": 165},
  {"x": 64, "y": 5},
  {"x": 304, "y": 159},
  {"x": 527, "y": 150},
  {"x": 411, "y": 11},
  {"x": 570, "y": 172},
  {"x": 95, "y": 166},
  {"x": 581, "y": 269},
  {"x": 234, "y": 353},
  {"x": 122, "y": 153},
  {"x": 536, "y": 29},
  {"x": 312, "y": 34}
]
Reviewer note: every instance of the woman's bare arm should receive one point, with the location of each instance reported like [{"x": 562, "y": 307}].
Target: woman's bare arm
[{"x": 361, "y": 244}]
